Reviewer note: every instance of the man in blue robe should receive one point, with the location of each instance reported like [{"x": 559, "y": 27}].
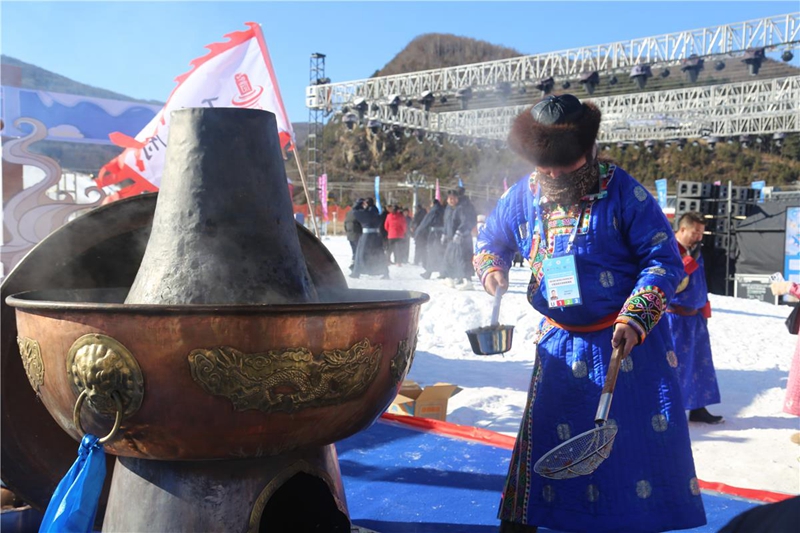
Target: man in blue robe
[
  {"x": 688, "y": 313},
  {"x": 598, "y": 239}
]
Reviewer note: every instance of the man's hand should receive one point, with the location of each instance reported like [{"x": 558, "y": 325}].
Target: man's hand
[
  {"x": 494, "y": 281},
  {"x": 624, "y": 332},
  {"x": 779, "y": 288}
]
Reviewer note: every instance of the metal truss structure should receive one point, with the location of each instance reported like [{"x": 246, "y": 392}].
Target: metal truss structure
[
  {"x": 759, "y": 107},
  {"x": 770, "y": 34}
]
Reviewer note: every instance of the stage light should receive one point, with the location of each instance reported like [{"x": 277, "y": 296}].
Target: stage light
[
  {"x": 777, "y": 139},
  {"x": 374, "y": 107},
  {"x": 419, "y": 135},
  {"x": 590, "y": 80},
  {"x": 503, "y": 90},
  {"x": 680, "y": 144},
  {"x": 695, "y": 144},
  {"x": 719, "y": 65},
  {"x": 322, "y": 81},
  {"x": 394, "y": 103},
  {"x": 374, "y": 125},
  {"x": 443, "y": 99},
  {"x": 640, "y": 73},
  {"x": 566, "y": 85},
  {"x": 361, "y": 106},
  {"x": 745, "y": 141},
  {"x": 464, "y": 95},
  {"x": 350, "y": 120},
  {"x": 787, "y": 55},
  {"x": 545, "y": 85},
  {"x": 753, "y": 59},
  {"x": 522, "y": 89},
  {"x": 621, "y": 146},
  {"x": 397, "y": 132},
  {"x": 712, "y": 142},
  {"x": 613, "y": 80},
  {"x": 409, "y": 102},
  {"x": 664, "y": 73},
  {"x": 649, "y": 145},
  {"x": 435, "y": 138},
  {"x": 426, "y": 99},
  {"x": 692, "y": 67}
]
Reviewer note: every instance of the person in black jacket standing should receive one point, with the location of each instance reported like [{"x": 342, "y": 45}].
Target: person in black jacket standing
[
  {"x": 370, "y": 257},
  {"x": 430, "y": 231},
  {"x": 352, "y": 228},
  {"x": 419, "y": 243},
  {"x": 459, "y": 221}
]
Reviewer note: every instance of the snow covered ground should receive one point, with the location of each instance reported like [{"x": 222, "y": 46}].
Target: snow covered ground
[{"x": 752, "y": 354}]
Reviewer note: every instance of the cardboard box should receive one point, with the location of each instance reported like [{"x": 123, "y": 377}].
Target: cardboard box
[{"x": 428, "y": 402}]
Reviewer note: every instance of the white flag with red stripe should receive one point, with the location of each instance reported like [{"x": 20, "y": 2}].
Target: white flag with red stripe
[{"x": 236, "y": 73}]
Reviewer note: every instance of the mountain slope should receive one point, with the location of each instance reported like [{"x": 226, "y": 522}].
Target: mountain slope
[{"x": 439, "y": 50}]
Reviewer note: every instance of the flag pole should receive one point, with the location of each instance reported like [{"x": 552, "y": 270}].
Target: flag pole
[{"x": 305, "y": 189}]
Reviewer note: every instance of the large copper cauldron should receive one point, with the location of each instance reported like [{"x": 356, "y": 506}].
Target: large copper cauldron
[
  {"x": 200, "y": 382},
  {"x": 230, "y": 365}
]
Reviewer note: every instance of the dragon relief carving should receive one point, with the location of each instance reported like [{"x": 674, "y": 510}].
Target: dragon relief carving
[
  {"x": 285, "y": 380},
  {"x": 32, "y": 361},
  {"x": 401, "y": 362}
]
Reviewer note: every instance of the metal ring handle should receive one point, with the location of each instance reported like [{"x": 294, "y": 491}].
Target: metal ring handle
[{"x": 76, "y": 415}]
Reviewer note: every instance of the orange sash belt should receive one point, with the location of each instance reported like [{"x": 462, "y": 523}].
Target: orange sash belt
[
  {"x": 601, "y": 324},
  {"x": 681, "y": 310}
]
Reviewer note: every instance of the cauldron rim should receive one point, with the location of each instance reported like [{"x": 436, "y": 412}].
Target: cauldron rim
[{"x": 332, "y": 300}]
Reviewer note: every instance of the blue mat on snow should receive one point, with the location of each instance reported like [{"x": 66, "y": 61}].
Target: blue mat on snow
[{"x": 401, "y": 480}]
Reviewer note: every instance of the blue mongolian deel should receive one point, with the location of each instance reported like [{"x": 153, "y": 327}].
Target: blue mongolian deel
[{"x": 72, "y": 118}]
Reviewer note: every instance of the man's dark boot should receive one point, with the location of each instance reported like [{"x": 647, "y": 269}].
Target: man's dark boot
[
  {"x": 702, "y": 415},
  {"x": 507, "y": 526}
]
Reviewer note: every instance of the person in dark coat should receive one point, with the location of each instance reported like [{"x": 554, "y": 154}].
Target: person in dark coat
[
  {"x": 370, "y": 258},
  {"x": 459, "y": 221},
  {"x": 430, "y": 231},
  {"x": 352, "y": 228},
  {"x": 419, "y": 244},
  {"x": 406, "y": 244}
]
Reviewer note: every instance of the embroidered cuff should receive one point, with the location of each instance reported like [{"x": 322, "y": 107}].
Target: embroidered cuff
[
  {"x": 643, "y": 309},
  {"x": 485, "y": 263}
]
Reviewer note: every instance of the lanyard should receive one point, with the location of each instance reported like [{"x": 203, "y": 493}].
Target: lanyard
[{"x": 538, "y": 217}]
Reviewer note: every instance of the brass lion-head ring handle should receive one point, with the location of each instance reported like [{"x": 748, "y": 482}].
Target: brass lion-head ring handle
[
  {"x": 76, "y": 415},
  {"x": 104, "y": 372}
]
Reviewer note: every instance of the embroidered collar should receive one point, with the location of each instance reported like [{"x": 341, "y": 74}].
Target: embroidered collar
[{"x": 606, "y": 173}]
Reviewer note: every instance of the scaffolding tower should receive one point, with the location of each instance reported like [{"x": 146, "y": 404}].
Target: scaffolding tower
[{"x": 316, "y": 76}]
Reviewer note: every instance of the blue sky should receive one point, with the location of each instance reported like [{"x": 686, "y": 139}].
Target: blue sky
[{"x": 138, "y": 48}]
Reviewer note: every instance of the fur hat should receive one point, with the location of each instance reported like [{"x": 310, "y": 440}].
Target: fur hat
[{"x": 556, "y": 131}]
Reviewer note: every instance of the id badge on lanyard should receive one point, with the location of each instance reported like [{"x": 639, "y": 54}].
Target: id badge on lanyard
[{"x": 561, "y": 274}]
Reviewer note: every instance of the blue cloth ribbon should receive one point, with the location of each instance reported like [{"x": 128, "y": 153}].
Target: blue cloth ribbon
[{"x": 73, "y": 506}]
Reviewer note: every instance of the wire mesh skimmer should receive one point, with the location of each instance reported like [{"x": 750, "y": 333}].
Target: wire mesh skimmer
[{"x": 582, "y": 454}]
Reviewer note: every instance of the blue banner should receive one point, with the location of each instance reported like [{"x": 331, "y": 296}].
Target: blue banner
[
  {"x": 661, "y": 190},
  {"x": 791, "y": 265},
  {"x": 759, "y": 185},
  {"x": 378, "y": 194},
  {"x": 71, "y": 118}
]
